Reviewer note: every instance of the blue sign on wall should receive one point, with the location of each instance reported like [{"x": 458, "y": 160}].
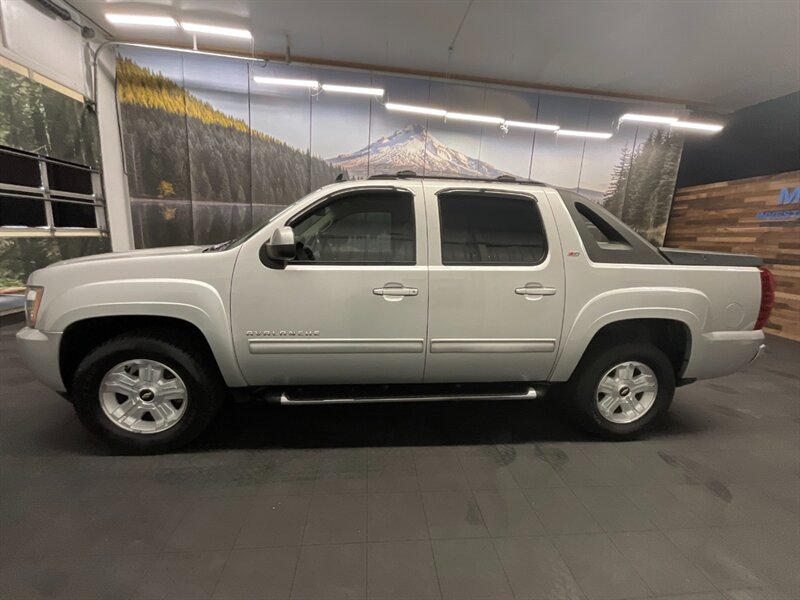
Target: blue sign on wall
[
  {"x": 789, "y": 197},
  {"x": 786, "y": 197}
]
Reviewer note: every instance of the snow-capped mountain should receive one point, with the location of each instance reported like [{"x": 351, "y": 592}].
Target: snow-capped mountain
[{"x": 410, "y": 148}]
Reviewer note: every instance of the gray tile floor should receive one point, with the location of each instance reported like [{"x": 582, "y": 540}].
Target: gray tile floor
[{"x": 413, "y": 502}]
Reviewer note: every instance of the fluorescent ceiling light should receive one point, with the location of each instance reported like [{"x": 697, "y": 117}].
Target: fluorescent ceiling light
[
  {"x": 214, "y": 30},
  {"x": 710, "y": 127},
  {"x": 350, "y": 89},
  {"x": 419, "y": 110},
  {"x": 121, "y": 19},
  {"x": 201, "y": 52},
  {"x": 306, "y": 83},
  {"x": 647, "y": 118},
  {"x": 526, "y": 125},
  {"x": 476, "y": 118},
  {"x": 587, "y": 134}
]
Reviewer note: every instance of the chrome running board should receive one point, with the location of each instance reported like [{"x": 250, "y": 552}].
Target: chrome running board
[{"x": 529, "y": 394}]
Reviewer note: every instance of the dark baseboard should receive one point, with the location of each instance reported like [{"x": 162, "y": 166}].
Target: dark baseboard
[{"x": 12, "y": 318}]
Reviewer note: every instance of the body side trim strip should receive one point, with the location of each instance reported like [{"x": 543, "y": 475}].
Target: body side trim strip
[
  {"x": 461, "y": 346},
  {"x": 336, "y": 346}
]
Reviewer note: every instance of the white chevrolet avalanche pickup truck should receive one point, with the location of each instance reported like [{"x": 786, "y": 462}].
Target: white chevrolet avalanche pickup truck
[{"x": 394, "y": 289}]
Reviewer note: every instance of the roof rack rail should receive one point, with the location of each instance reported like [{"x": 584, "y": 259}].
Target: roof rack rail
[{"x": 407, "y": 174}]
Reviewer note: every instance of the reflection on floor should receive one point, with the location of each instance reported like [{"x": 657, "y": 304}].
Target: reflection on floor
[{"x": 459, "y": 500}]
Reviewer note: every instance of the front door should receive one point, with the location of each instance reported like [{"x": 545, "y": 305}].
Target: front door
[
  {"x": 352, "y": 307},
  {"x": 496, "y": 285}
]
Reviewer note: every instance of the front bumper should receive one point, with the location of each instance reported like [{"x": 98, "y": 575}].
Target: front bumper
[
  {"x": 39, "y": 352},
  {"x": 723, "y": 352}
]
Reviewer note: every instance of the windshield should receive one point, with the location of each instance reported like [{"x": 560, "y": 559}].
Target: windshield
[{"x": 254, "y": 230}]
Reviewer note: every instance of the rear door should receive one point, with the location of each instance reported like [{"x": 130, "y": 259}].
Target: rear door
[{"x": 496, "y": 285}]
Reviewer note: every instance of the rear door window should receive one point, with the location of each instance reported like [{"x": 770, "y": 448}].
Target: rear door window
[{"x": 490, "y": 229}]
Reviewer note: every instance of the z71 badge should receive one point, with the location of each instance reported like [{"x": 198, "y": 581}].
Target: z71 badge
[{"x": 282, "y": 333}]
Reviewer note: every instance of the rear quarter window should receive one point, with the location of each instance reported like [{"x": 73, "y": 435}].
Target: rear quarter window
[{"x": 606, "y": 238}]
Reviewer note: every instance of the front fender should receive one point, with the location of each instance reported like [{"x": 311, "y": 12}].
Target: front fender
[
  {"x": 688, "y": 306},
  {"x": 193, "y": 301}
]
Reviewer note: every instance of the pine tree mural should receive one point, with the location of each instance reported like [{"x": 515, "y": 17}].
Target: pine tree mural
[
  {"x": 36, "y": 118},
  {"x": 614, "y": 198},
  {"x": 206, "y": 155},
  {"x": 643, "y": 182}
]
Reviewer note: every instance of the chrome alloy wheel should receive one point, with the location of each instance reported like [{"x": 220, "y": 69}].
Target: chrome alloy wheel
[
  {"x": 626, "y": 392},
  {"x": 143, "y": 396}
]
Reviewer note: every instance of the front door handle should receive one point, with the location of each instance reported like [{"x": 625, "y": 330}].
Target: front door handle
[
  {"x": 395, "y": 290},
  {"x": 535, "y": 289}
]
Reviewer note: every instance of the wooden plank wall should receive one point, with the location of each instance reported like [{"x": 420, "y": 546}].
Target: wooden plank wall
[{"x": 722, "y": 217}]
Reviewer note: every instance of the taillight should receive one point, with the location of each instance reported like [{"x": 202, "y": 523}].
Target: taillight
[{"x": 767, "y": 298}]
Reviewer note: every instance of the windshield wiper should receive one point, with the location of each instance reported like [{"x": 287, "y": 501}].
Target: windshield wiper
[{"x": 218, "y": 247}]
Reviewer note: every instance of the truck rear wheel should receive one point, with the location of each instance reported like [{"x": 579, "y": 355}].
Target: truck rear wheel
[
  {"x": 144, "y": 392},
  {"x": 619, "y": 391}
]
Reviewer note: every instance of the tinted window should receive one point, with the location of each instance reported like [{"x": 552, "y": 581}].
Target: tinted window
[
  {"x": 73, "y": 214},
  {"x": 22, "y": 212},
  {"x": 489, "y": 229},
  {"x": 605, "y": 237},
  {"x": 370, "y": 227},
  {"x": 602, "y": 232},
  {"x": 18, "y": 169},
  {"x": 66, "y": 178}
]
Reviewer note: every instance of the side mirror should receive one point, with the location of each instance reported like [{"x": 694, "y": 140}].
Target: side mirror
[{"x": 280, "y": 246}]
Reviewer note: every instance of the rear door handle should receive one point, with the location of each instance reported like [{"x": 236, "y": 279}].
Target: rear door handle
[
  {"x": 396, "y": 291},
  {"x": 535, "y": 289}
]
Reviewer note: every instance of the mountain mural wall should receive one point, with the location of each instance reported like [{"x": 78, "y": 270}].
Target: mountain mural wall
[
  {"x": 210, "y": 152},
  {"x": 412, "y": 148}
]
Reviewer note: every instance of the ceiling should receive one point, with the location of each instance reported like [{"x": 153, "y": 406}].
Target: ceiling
[{"x": 719, "y": 54}]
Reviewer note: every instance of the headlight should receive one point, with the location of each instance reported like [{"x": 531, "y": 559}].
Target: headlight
[{"x": 33, "y": 300}]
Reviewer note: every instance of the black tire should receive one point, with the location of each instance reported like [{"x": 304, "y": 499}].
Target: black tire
[
  {"x": 183, "y": 355},
  {"x": 581, "y": 390}
]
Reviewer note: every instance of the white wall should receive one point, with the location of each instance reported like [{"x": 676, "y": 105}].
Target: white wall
[
  {"x": 115, "y": 182},
  {"x": 55, "y": 49}
]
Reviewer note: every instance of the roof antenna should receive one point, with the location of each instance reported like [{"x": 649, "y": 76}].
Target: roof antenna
[
  {"x": 288, "y": 48},
  {"x": 450, "y": 49},
  {"x": 460, "y": 25}
]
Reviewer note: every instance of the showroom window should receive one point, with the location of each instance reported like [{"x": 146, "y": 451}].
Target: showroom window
[
  {"x": 363, "y": 227},
  {"x": 43, "y": 196},
  {"x": 490, "y": 229}
]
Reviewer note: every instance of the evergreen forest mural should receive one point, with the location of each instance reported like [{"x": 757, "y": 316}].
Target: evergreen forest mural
[
  {"x": 643, "y": 183},
  {"x": 38, "y": 119}
]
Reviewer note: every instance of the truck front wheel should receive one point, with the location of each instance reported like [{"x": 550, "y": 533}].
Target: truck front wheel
[
  {"x": 146, "y": 392},
  {"x": 619, "y": 391}
]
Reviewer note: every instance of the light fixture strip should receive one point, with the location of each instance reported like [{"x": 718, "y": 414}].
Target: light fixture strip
[
  {"x": 147, "y": 20},
  {"x": 155, "y": 21},
  {"x": 191, "y": 51},
  {"x": 600, "y": 135},
  {"x": 305, "y": 83},
  {"x": 527, "y": 125},
  {"x": 647, "y": 118},
  {"x": 419, "y": 110},
  {"x": 456, "y": 116},
  {"x": 350, "y": 89},
  {"x": 698, "y": 126},
  {"x": 215, "y": 30}
]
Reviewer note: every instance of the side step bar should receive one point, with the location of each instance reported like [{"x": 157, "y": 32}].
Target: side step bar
[{"x": 528, "y": 393}]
